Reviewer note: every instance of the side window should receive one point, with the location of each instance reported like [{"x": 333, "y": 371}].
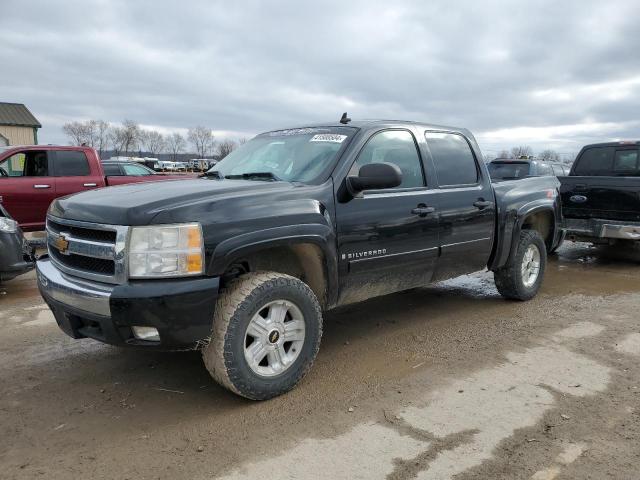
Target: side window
[
  {"x": 135, "y": 170},
  {"x": 71, "y": 163},
  {"x": 393, "y": 146},
  {"x": 595, "y": 161},
  {"x": 30, "y": 163},
  {"x": 625, "y": 161},
  {"x": 453, "y": 158},
  {"x": 111, "y": 170}
]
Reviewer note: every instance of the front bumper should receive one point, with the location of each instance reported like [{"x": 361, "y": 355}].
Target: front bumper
[
  {"x": 601, "y": 229},
  {"x": 181, "y": 310},
  {"x": 16, "y": 257}
]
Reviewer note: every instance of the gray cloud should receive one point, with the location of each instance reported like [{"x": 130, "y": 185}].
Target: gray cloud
[{"x": 545, "y": 73}]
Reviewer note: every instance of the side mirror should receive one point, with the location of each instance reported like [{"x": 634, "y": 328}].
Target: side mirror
[{"x": 375, "y": 176}]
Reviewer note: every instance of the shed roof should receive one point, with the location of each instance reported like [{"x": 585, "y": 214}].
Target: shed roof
[{"x": 16, "y": 114}]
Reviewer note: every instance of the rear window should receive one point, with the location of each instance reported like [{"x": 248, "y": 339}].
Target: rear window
[
  {"x": 71, "y": 163},
  {"x": 595, "y": 161},
  {"x": 454, "y": 161},
  {"x": 508, "y": 170},
  {"x": 626, "y": 161}
]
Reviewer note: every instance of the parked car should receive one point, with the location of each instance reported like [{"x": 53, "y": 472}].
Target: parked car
[
  {"x": 137, "y": 171},
  {"x": 16, "y": 256},
  {"x": 601, "y": 195},
  {"x": 512, "y": 169},
  {"x": 31, "y": 177},
  {"x": 241, "y": 263}
]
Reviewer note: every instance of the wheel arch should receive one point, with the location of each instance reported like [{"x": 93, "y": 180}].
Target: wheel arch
[{"x": 306, "y": 252}]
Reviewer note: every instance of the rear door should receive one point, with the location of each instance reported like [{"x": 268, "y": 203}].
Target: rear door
[
  {"x": 604, "y": 183},
  {"x": 74, "y": 173},
  {"x": 28, "y": 187},
  {"x": 387, "y": 239},
  {"x": 464, "y": 202}
]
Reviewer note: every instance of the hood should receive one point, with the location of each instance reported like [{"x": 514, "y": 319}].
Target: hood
[{"x": 139, "y": 203}]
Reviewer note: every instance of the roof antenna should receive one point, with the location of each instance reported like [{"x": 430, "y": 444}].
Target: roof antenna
[{"x": 344, "y": 120}]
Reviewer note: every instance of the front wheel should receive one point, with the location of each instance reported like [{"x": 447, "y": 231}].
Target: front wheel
[
  {"x": 266, "y": 334},
  {"x": 522, "y": 277}
]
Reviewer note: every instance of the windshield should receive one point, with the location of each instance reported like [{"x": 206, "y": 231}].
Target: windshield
[
  {"x": 300, "y": 155},
  {"x": 508, "y": 170}
]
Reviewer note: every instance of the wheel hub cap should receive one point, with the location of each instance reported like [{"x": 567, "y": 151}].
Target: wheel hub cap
[
  {"x": 530, "y": 266},
  {"x": 274, "y": 338}
]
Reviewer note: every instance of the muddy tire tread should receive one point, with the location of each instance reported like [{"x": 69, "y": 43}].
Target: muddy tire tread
[
  {"x": 507, "y": 278},
  {"x": 236, "y": 300}
]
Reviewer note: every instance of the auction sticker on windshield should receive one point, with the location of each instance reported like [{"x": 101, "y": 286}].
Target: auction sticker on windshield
[{"x": 328, "y": 137}]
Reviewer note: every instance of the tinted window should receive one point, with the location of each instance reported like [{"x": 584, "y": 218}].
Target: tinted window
[
  {"x": 453, "y": 158},
  {"x": 397, "y": 147},
  {"x": 71, "y": 164},
  {"x": 595, "y": 161},
  {"x": 30, "y": 163},
  {"x": 508, "y": 170},
  {"x": 135, "y": 170},
  {"x": 625, "y": 161},
  {"x": 111, "y": 170}
]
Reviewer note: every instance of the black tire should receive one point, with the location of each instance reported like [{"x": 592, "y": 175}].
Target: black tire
[
  {"x": 508, "y": 279},
  {"x": 236, "y": 306}
]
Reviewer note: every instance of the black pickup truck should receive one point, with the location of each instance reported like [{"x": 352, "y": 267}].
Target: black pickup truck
[
  {"x": 242, "y": 262},
  {"x": 601, "y": 195}
]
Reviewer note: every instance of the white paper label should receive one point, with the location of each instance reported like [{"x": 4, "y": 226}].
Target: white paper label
[{"x": 328, "y": 137}]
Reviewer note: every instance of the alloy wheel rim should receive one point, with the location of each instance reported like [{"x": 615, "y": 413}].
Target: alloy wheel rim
[
  {"x": 274, "y": 338},
  {"x": 530, "y": 266}
]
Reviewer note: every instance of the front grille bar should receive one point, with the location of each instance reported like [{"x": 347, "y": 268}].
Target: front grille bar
[{"x": 70, "y": 239}]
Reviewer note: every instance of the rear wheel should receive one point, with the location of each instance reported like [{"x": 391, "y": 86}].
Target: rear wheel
[
  {"x": 266, "y": 334},
  {"x": 522, "y": 277}
]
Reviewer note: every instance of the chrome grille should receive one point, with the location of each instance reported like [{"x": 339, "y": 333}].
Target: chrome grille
[{"x": 88, "y": 250}]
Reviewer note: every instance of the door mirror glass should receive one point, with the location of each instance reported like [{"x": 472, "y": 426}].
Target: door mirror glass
[{"x": 375, "y": 176}]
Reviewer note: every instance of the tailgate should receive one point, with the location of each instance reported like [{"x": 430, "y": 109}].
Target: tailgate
[{"x": 615, "y": 198}]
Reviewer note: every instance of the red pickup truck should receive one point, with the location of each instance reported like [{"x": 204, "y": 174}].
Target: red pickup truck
[{"x": 32, "y": 177}]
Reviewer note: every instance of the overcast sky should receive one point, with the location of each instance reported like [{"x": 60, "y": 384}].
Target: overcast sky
[{"x": 543, "y": 73}]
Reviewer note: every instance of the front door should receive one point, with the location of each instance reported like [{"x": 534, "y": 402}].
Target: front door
[
  {"x": 388, "y": 239},
  {"x": 465, "y": 204},
  {"x": 27, "y": 187}
]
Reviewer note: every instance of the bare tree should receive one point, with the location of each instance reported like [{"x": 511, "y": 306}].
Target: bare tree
[
  {"x": 152, "y": 141},
  {"x": 504, "y": 154},
  {"x": 130, "y": 135},
  {"x": 549, "y": 156},
  {"x": 226, "y": 147},
  {"x": 77, "y": 132},
  {"x": 175, "y": 144},
  {"x": 521, "y": 151},
  {"x": 202, "y": 140},
  {"x": 242, "y": 141},
  {"x": 101, "y": 142}
]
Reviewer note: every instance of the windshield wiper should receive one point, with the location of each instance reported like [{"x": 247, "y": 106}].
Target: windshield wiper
[
  {"x": 212, "y": 173},
  {"x": 255, "y": 176}
]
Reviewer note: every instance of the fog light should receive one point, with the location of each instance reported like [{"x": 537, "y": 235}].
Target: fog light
[{"x": 149, "y": 334}]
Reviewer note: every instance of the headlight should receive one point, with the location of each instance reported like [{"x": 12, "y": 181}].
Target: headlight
[
  {"x": 166, "y": 251},
  {"x": 8, "y": 225}
]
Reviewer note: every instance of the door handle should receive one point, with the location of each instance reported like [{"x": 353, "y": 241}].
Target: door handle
[
  {"x": 41, "y": 185},
  {"x": 482, "y": 204},
  {"x": 423, "y": 210},
  {"x": 90, "y": 184}
]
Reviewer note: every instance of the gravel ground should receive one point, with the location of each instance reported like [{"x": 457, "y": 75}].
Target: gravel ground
[{"x": 436, "y": 383}]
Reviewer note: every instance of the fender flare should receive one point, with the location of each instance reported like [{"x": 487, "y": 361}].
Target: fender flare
[
  {"x": 235, "y": 248},
  {"x": 525, "y": 211}
]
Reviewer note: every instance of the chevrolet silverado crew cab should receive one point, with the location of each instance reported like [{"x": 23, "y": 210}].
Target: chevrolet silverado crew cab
[
  {"x": 242, "y": 262},
  {"x": 601, "y": 195},
  {"x": 31, "y": 177}
]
